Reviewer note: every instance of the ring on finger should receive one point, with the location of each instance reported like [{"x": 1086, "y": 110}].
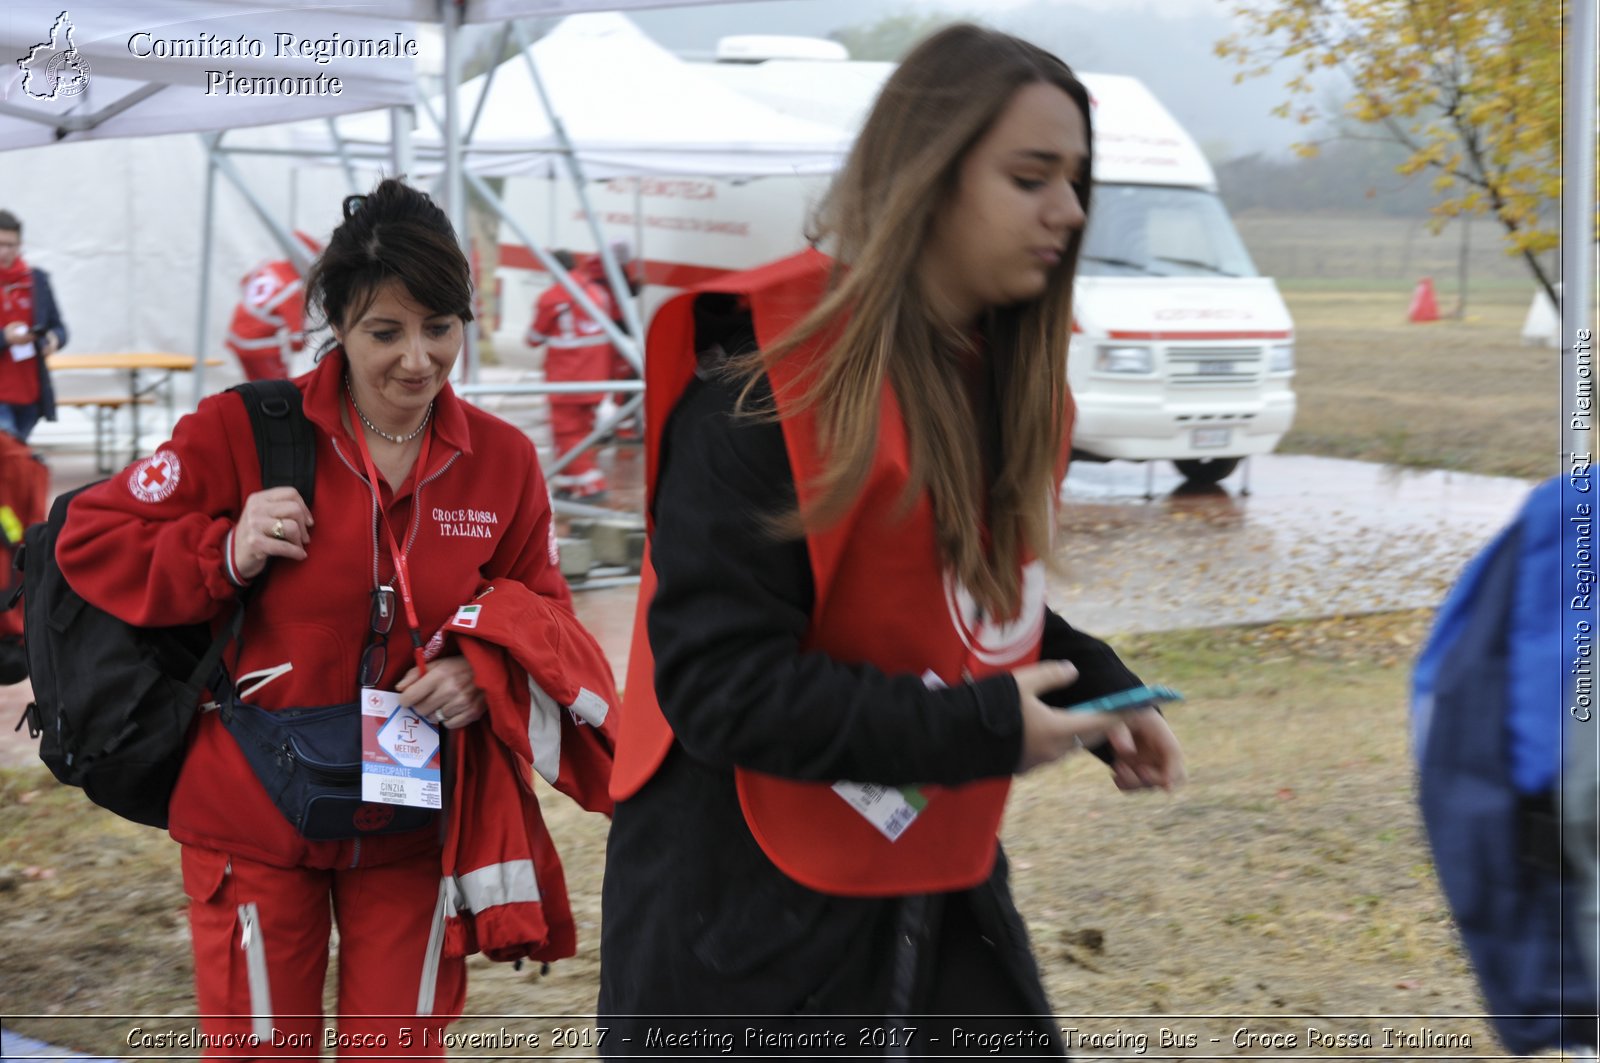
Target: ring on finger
[
  {"x": 277, "y": 528},
  {"x": 438, "y": 717}
]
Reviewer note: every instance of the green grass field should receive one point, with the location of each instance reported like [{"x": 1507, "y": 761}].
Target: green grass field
[{"x": 1450, "y": 394}]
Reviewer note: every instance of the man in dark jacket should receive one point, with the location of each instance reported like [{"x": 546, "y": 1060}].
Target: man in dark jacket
[{"x": 32, "y": 331}]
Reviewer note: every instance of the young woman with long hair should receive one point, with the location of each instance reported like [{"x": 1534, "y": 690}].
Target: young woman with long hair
[{"x": 853, "y": 471}]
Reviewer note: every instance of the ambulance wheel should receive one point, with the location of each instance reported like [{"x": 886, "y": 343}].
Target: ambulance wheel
[{"x": 1206, "y": 470}]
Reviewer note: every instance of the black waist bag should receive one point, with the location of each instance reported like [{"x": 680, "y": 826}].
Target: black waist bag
[{"x": 309, "y": 762}]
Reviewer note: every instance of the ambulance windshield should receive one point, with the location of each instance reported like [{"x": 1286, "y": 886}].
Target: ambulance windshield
[{"x": 1156, "y": 231}]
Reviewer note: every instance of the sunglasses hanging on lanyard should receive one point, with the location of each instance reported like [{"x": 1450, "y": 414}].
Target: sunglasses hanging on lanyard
[{"x": 402, "y": 570}]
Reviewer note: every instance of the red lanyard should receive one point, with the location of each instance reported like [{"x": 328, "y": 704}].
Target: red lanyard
[{"x": 402, "y": 571}]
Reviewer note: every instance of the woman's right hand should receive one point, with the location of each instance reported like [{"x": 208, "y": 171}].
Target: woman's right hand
[
  {"x": 1048, "y": 734},
  {"x": 265, "y": 512}
]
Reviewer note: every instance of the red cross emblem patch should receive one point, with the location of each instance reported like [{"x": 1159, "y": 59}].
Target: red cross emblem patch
[{"x": 154, "y": 478}]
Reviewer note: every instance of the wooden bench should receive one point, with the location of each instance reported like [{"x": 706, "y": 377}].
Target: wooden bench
[{"x": 104, "y": 409}]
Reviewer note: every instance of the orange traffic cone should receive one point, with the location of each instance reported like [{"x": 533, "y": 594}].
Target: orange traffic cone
[{"x": 1423, "y": 305}]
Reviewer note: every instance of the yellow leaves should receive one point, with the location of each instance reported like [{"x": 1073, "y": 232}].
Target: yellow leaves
[
  {"x": 1468, "y": 85},
  {"x": 1306, "y": 150}
]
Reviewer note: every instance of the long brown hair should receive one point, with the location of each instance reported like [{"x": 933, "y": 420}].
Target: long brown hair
[{"x": 904, "y": 167}]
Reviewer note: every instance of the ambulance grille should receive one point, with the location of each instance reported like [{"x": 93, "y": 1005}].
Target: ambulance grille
[{"x": 1211, "y": 367}]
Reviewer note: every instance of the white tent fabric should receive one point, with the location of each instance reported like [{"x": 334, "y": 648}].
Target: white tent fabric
[
  {"x": 98, "y": 70},
  {"x": 475, "y": 10},
  {"x": 628, "y": 106}
]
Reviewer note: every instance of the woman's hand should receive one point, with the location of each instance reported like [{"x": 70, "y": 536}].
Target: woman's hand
[
  {"x": 1148, "y": 755},
  {"x": 1048, "y": 734},
  {"x": 274, "y": 523},
  {"x": 448, "y": 695}
]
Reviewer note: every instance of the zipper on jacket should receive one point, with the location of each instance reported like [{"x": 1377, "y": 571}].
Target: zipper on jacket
[
  {"x": 255, "y": 959},
  {"x": 910, "y": 926},
  {"x": 416, "y": 499},
  {"x": 376, "y": 504}
]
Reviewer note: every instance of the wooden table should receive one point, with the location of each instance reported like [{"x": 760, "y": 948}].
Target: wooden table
[{"x": 133, "y": 363}]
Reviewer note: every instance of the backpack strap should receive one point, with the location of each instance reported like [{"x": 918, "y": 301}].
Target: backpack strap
[
  {"x": 285, "y": 443},
  {"x": 287, "y": 449}
]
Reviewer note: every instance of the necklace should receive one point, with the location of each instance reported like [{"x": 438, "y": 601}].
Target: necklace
[{"x": 380, "y": 433}]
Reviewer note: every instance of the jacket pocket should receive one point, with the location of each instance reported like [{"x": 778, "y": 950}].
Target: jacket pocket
[{"x": 759, "y": 922}]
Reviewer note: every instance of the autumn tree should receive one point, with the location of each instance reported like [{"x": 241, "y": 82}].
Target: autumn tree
[{"x": 1470, "y": 89}]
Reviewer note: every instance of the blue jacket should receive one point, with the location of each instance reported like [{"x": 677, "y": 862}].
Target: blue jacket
[
  {"x": 47, "y": 318},
  {"x": 1488, "y": 707}
]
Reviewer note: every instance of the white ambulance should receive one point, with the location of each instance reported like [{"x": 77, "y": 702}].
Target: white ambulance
[{"x": 1180, "y": 350}]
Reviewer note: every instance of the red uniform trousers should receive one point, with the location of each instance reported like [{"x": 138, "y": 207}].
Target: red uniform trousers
[
  {"x": 572, "y": 416},
  {"x": 570, "y": 422},
  {"x": 385, "y": 916}
]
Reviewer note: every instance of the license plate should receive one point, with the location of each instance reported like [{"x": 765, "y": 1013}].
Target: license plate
[
  {"x": 1212, "y": 368},
  {"x": 1205, "y": 438}
]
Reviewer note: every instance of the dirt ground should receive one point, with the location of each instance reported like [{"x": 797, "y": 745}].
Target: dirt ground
[{"x": 1289, "y": 880}]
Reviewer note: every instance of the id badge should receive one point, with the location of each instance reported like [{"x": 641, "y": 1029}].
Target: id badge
[
  {"x": 399, "y": 753},
  {"x": 22, "y": 352},
  {"x": 890, "y": 809}
]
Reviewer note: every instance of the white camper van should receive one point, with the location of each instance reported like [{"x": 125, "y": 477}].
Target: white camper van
[{"x": 1179, "y": 352}]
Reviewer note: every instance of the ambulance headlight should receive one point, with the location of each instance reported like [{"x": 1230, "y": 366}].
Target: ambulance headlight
[
  {"x": 1280, "y": 358},
  {"x": 1125, "y": 360}
]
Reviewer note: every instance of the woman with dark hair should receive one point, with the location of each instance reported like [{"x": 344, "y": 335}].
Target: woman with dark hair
[
  {"x": 422, "y": 505},
  {"x": 853, "y": 472}
]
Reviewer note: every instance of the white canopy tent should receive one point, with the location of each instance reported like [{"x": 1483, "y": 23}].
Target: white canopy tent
[
  {"x": 650, "y": 114},
  {"x": 99, "y": 70},
  {"x": 108, "y": 77}
]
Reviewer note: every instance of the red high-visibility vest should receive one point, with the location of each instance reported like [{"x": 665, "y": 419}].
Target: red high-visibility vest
[{"x": 880, "y": 586}]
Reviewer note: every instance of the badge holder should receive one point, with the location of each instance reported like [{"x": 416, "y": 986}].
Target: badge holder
[{"x": 401, "y": 753}]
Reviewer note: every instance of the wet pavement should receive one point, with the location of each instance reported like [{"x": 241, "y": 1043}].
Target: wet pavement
[{"x": 1313, "y": 537}]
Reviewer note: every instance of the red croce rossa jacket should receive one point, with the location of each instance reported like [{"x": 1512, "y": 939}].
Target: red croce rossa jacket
[{"x": 151, "y": 545}]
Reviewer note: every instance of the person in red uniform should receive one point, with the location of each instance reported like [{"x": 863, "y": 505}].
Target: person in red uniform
[
  {"x": 31, "y": 331},
  {"x": 576, "y": 349},
  {"x": 268, "y": 325},
  {"x": 853, "y": 465},
  {"x": 421, "y": 501}
]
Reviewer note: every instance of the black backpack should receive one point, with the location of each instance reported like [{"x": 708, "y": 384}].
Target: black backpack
[{"x": 113, "y": 703}]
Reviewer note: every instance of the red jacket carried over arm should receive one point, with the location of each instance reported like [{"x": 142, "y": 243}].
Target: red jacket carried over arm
[{"x": 551, "y": 712}]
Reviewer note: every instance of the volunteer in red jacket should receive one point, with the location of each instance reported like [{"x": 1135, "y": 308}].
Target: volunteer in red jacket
[
  {"x": 576, "y": 349},
  {"x": 31, "y": 331},
  {"x": 268, "y": 325},
  {"x": 420, "y": 500},
  {"x": 853, "y": 467}
]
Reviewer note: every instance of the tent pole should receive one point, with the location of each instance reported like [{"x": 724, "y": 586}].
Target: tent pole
[
  {"x": 622, "y": 342},
  {"x": 1577, "y": 231},
  {"x": 344, "y": 157},
  {"x": 295, "y": 250},
  {"x": 619, "y": 285},
  {"x": 400, "y": 154},
  {"x": 207, "y": 228},
  {"x": 454, "y": 189}
]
